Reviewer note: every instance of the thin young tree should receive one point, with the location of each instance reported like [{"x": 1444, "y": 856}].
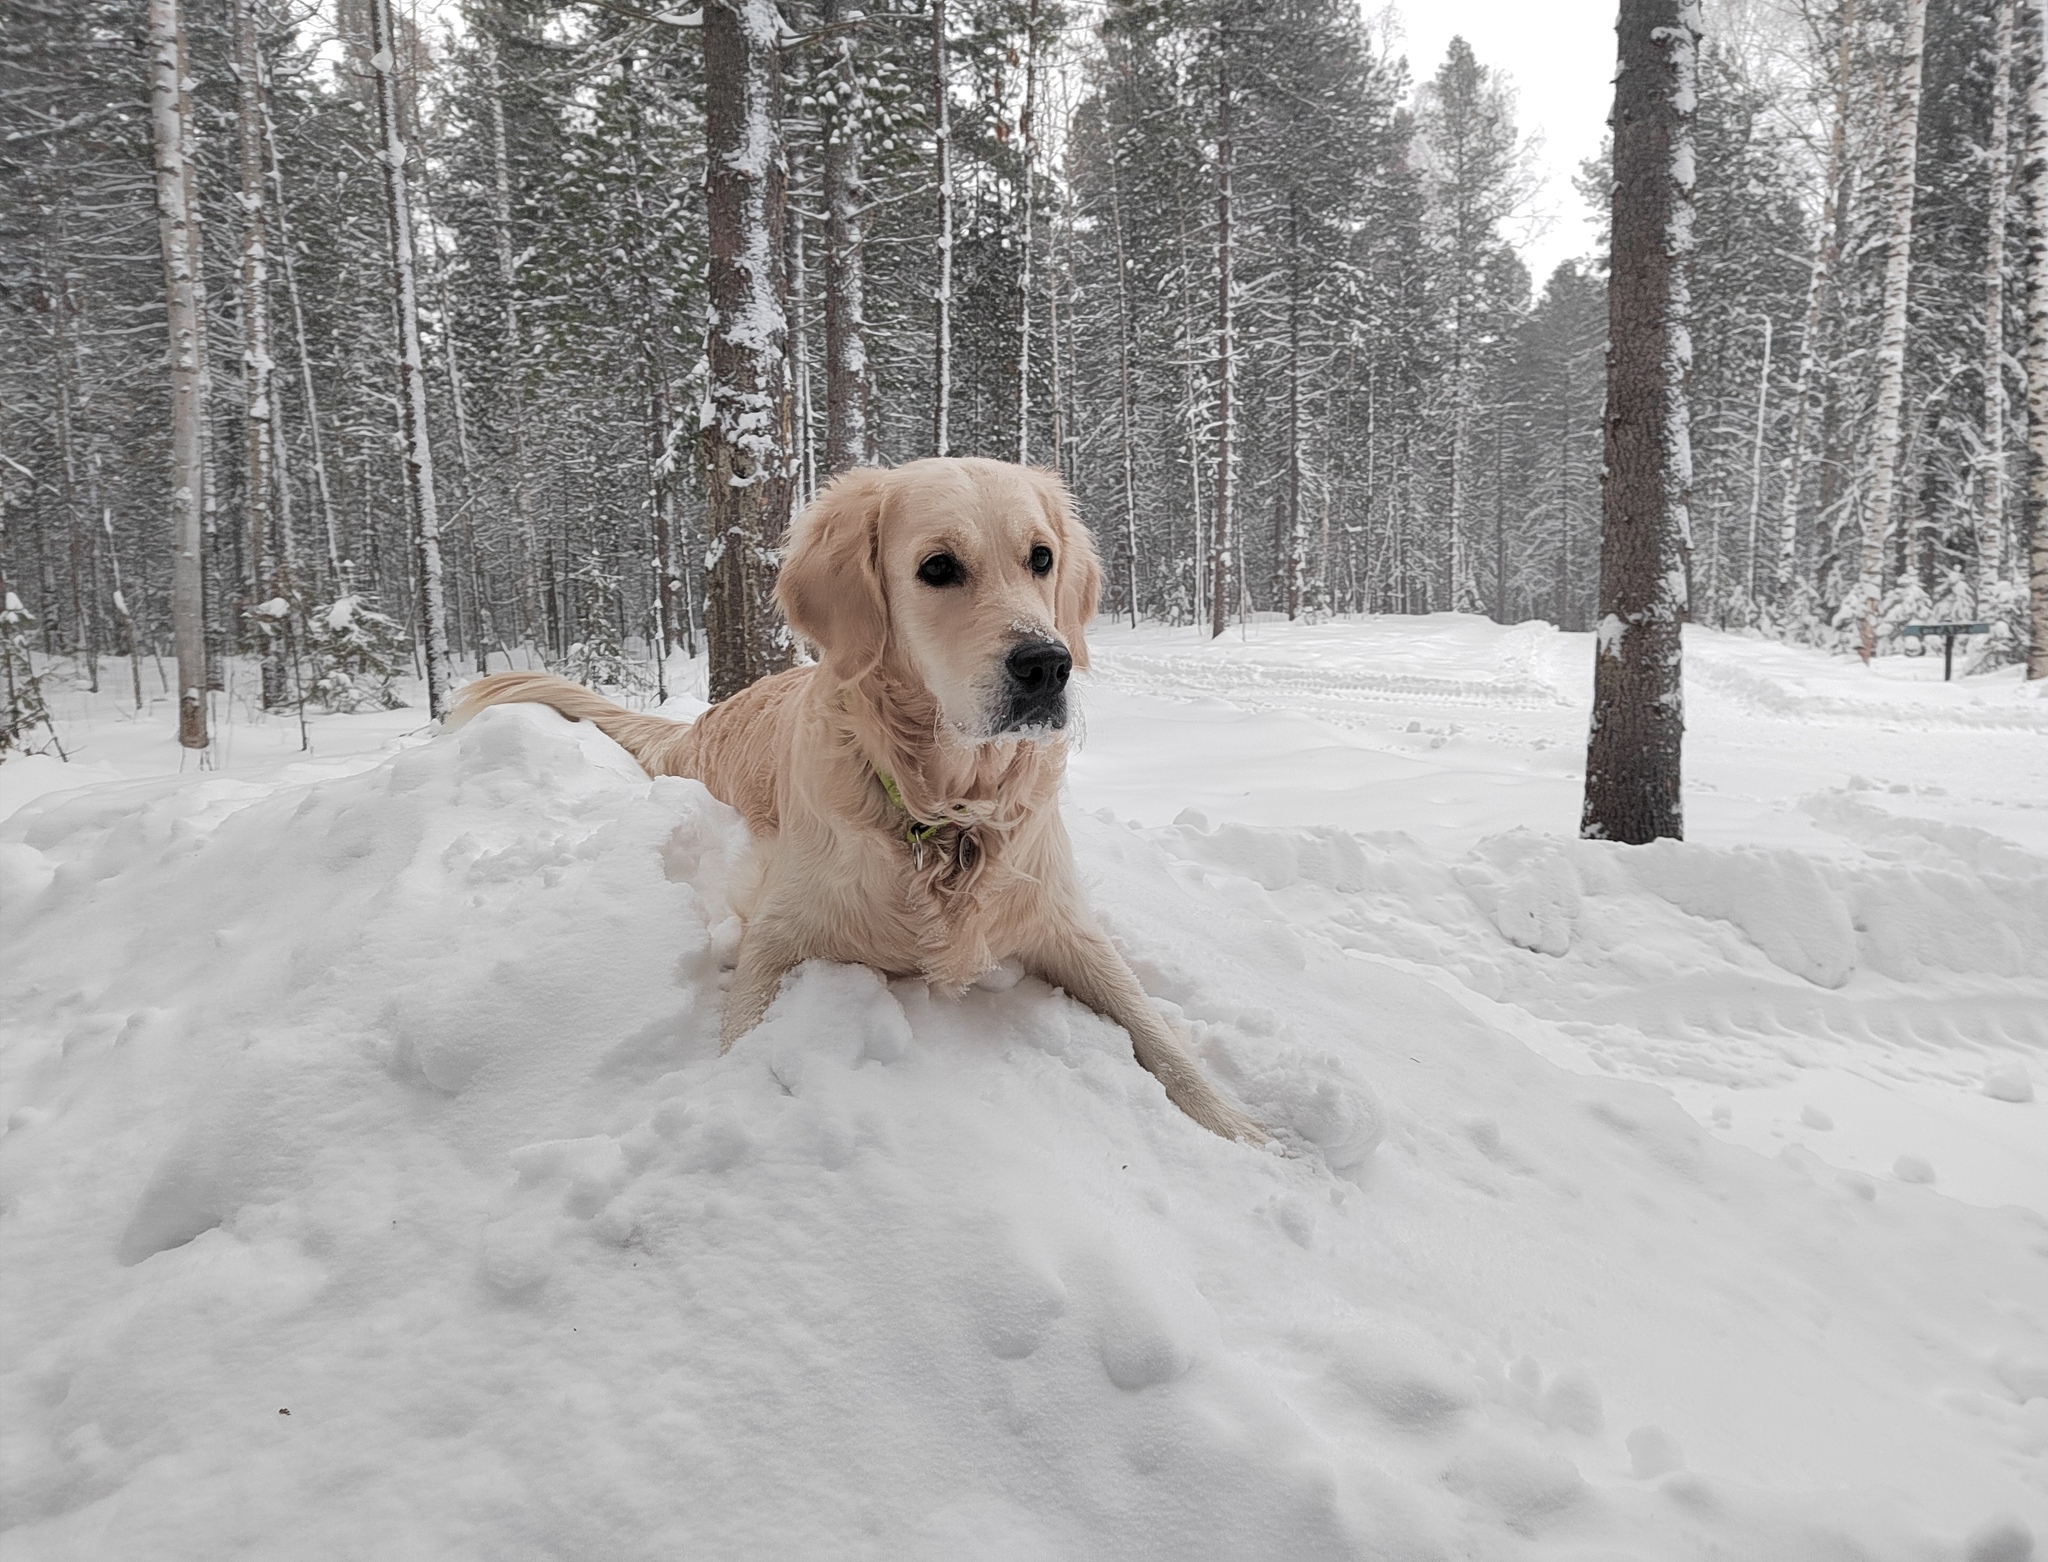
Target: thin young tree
[
  {"x": 418, "y": 455},
  {"x": 1887, "y": 431},
  {"x": 1027, "y": 138},
  {"x": 745, "y": 441},
  {"x": 942, "y": 295},
  {"x": 188, "y": 406},
  {"x": 1633, "y": 754}
]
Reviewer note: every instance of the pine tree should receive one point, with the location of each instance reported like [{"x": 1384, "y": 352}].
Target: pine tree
[{"x": 1633, "y": 754}]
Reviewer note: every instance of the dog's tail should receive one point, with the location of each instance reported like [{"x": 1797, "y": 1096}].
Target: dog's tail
[{"x": 663, "y": 747}]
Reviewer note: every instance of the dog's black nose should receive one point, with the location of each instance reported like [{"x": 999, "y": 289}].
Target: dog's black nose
[{"x": 1040, "y": 667}]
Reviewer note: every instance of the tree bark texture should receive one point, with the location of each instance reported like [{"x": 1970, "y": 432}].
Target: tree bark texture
[
  {"x": 1891, "y": 345},
  {"x": 847, "y": 441},
  {"x": 745, "y": 444},
  {"x": 418, "y": 452},
  {"x": 1638, "y": 723},
  {"x": 188, "y": 408}
]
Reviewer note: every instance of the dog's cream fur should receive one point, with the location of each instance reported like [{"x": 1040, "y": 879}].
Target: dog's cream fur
[{"x": 907, "y": 688}]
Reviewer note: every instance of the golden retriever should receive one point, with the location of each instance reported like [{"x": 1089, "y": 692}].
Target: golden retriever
[{"x": 903, "y": 792}]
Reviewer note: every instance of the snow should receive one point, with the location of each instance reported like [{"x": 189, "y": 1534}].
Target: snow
[{"x": 1678, "y": 1201}]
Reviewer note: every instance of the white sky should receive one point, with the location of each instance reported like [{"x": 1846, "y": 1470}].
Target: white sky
[{"x": 1560, "y": 56}]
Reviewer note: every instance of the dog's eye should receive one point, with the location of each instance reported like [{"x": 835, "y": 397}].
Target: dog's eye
[
  {"x": 1041, "y": 560},
  {"x": 941, "y": 569}
]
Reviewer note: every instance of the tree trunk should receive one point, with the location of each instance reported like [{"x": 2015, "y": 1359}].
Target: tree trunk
[
  {"x": 1123, "y": 374},
  {"x": 1826, "y": 253},
  {"x": 1633, "y": 754},
  {"x": 515, "y": 353},
  {"x": 746, "y": 440},
  {"x": 942, "y": 332},
  {"x": 1226, "y": 359},
  {"x": 329, "y": 526},
  {"x": 266, "y": 576},
  {"x": 1756, "y": 465},
  {"x": 1891, "y": 346},
  {"x": 2036, "y": 498},
  {"x": 1991, "y": 459},
  {"x": 796, "y": 264},
  {"x": 188, "y": 408},
  {"x": 847, "y": 442},
  {"x": 1297, "y": 535},
  {"x": 1028, "y": 146},
  {"x": 412, "y": 383}
]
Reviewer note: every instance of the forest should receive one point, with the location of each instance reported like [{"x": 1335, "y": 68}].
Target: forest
[{"x": 1243, "y": 273}]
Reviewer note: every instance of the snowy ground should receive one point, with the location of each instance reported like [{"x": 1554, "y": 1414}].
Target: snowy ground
[{"x": 1650, "y": 1203}]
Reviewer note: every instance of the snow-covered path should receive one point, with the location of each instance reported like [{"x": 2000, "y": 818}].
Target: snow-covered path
[{"x": 381, "y": 1089}]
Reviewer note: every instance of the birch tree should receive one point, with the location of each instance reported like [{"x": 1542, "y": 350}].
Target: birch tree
[
  {"x": 267, "y": 577},
  {"x": 188, "y": 407},
  {"x": 1827, "y": 243},
  {"x": 1891, "y": 346},
  {"x": 417, "y": 456},
  {"x": 745, "y": 440},
  {"x": 1633, "y": 755}
]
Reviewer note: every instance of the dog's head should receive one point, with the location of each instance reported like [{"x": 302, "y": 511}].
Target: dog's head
[{"x": 974, "y": 578}]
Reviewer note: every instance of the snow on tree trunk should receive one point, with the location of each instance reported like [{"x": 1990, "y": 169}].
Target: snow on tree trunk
[
  {"x": 1891, "y": 345},
  {"x": 942, "y": 171},
  {"x": 266, "y": 557},
  {"x": 1638, "y": 723},
  {"x": 846, "y": 345},
  {"x": 412, "y": 383},
  {"x": 1226, "y": 359},
  {"x": 1991, "y": 457},
  {"x": 188, "y": 407},
  {"x": 745, "y": 439},
  {"x": 2036, "y": 497}
]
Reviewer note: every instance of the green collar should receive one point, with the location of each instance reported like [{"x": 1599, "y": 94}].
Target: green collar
[{"x": 917, "y": 832}]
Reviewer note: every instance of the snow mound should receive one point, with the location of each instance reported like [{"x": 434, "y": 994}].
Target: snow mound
[{"x": 374, "y": 1187}]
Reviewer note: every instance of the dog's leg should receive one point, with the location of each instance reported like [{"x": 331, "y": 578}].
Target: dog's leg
[
  {"x": 755, "y": 982},
  {"x": 1087, "y": 965}
]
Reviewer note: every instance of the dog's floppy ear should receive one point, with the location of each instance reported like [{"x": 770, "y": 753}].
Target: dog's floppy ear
[
  {"x": 1076, "y": 596},
  {"x": 830, "y": 587}
]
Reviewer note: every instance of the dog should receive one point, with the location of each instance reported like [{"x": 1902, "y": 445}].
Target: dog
[{"x": 903, "y": 791}]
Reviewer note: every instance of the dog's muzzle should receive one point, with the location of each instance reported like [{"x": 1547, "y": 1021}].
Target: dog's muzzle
[{"x": 1035, "y": 686}]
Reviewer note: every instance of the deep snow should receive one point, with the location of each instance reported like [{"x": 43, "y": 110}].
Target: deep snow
[{"x": 1680, "y": 1201}]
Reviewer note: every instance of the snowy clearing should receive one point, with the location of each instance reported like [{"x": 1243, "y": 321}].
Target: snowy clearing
[{"x": 1670, "y": 1202}]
